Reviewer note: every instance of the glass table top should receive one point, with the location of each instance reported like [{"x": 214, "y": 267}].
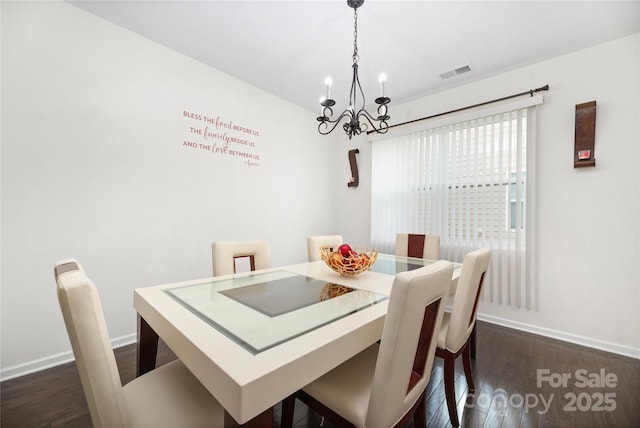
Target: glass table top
[
  {"x": 391, "y": 264},
  {"x": 262, "y": 310}
]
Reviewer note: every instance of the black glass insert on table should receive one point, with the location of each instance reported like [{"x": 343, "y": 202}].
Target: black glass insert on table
[{"x": 284, "y": 295}]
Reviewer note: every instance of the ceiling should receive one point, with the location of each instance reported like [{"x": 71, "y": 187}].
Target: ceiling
[{"x": 289, "y": 47}]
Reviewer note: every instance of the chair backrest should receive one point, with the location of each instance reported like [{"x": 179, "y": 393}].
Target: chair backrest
[
  {"x": 315, "y": 242},
  {"x": 409, "y": 340},
  {"x": 420, "y": 246},
  {"x": 225, "y": 254},
  {"x": 465, "y": 303},
  {"x": 87, "y": 329}
]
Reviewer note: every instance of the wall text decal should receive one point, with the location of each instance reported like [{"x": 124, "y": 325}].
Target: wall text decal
[{"x": 221, "y": 137}]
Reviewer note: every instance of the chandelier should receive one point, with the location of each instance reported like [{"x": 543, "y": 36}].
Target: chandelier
[{"x": 357, "y": 121}]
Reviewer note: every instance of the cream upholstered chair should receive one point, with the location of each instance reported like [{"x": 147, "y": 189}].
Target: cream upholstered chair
[
  {"x": 458, "y": 325},
  {"x": 384, "y": 385},
  {"x": 315, "y": 242},
  {"x": 169, "y": 396},
  {"x": 225, "y": 254},
  {"x": 420, "y": 246}
]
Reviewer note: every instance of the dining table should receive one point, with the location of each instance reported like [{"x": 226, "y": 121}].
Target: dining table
[{"x": 254, "y": 338}]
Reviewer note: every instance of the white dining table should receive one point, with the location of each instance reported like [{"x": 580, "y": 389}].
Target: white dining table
[{"x": 251, "y": 353}]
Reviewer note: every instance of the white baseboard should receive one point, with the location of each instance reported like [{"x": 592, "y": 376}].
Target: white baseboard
[
  {"x": 55, "y": 360},
  {"x": 615, "y": 348},
  {"x": 65, "y": 357}
]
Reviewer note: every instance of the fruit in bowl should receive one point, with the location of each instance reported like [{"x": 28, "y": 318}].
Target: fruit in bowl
[
  {"x": 348, "y": 261},
  {"x": 346, "y": 251}
]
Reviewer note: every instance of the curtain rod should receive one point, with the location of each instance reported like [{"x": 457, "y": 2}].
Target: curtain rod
[{"x": 530, "y": 92}]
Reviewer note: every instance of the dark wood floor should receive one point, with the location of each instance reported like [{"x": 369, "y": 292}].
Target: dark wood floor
[{"x": 505, "y": 373}]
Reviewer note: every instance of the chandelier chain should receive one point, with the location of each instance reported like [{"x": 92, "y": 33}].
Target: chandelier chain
[{"x": 355, "y": 36}]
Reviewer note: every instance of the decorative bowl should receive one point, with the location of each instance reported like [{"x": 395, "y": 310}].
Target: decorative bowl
[{"x": 357, "y": 263}]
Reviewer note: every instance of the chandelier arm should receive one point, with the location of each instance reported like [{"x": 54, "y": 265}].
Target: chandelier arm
[
  {"x": 382, "y": 112},
  {"x": 326, "y": 120},
  {"x": 355, "y": 81},
  {"x": 326, "y": 109},
  {"x": 382, "y": 127},
  {"x": 324, "y": 129}
]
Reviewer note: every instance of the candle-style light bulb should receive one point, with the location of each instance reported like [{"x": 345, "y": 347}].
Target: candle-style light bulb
[
  {"x": 382, "y": 79},
  {"x": 328, "y": 82}
]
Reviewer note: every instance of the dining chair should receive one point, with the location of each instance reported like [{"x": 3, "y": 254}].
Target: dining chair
[
  {"x": 420, "y": 246},
  {"x": 169, "y": 396},
  {"x": 458, "y": 326},
  {"x": 315, "y": 242},
  {"x": 227, "y": 254},
  {"x": 384, "y": 385}
]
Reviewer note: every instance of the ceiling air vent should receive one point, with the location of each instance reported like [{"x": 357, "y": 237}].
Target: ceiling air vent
[
  {"x": 447, "y": 75},
  {"x": 455, "y": 72},
  {"x": 464, "y": 69}
]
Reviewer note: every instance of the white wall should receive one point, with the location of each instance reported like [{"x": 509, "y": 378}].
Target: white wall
[
  {"x": 94, "y": 168},
  {"x": 589, "y": 241}
]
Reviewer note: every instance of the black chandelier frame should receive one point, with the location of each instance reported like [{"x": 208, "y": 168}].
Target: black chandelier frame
[{"x": 361, "y": 120}]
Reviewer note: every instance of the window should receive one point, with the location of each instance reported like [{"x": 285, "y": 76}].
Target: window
[{"x": 465, "y": 182}]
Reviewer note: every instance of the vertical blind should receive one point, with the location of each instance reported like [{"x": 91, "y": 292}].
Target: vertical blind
[{"x": 467, "y": 183}]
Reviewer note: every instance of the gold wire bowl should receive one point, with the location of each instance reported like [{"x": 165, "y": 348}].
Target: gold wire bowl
[{"x": 349, "y": 266}]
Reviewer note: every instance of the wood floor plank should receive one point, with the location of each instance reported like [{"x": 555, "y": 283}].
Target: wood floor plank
[{"x": 505, "y": 368}]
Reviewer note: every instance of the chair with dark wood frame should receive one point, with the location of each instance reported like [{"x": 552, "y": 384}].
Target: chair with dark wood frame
[
  {"x": 458, "y": 326},
  {"x": 420, "y": 246},
  {"x": 225, "y": 253},
  {"x": 385, "y": 385}
]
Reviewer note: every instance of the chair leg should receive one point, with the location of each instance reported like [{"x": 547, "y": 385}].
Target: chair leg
[
  {"x": 472, "y": 341},
  {"x": 449, "y": 388},
  {"x": 420, "y": 415},
  {"x": 288, "y": 408},
  {"x": 466, "y": 363}
]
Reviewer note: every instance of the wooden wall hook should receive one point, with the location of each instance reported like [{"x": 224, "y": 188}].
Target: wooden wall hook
[{"x": 355, "y": 179}]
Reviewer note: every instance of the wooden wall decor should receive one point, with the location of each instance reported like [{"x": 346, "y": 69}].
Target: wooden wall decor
[
  {"x": 354, "y": 168},
  {"x": 583, "y": 152}
]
